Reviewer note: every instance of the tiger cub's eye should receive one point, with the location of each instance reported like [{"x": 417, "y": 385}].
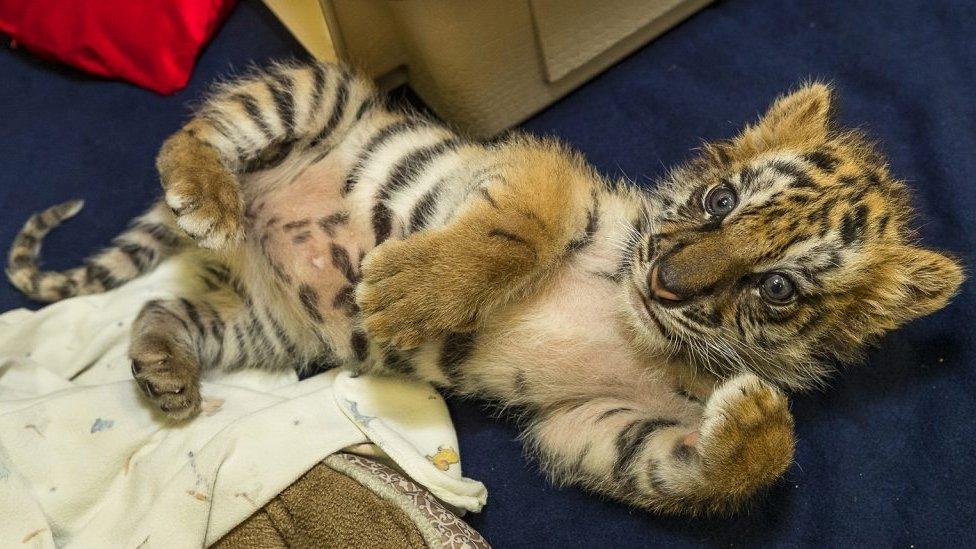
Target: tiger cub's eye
[
  {"x": 721, "y": 200},
  {"x": 776, "y": 288}
]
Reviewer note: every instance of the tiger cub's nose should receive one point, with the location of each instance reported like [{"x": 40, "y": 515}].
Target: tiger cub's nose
[{"x": 662, "y": 284}]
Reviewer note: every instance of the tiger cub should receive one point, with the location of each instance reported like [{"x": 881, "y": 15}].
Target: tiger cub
[{"x": 643, "y": 335}]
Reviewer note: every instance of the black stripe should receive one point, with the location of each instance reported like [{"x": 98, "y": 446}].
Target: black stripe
[
  {"x": 35, "y": 280},
  {"x": 296, "y": 224},
  {"x": 615, "y": 276},
  {"x": 276, "y": 267},
  {"x": 685, "y": 394},
  {"x": 282, "y": 90},
  {"x": 521, "y": 383},
  {"x": 273, "y": 155},
  {"x": 692, "y": 330},
  {"x": 813, "y": 320},
  {"x": 140, "y": 256},
  {"x": 254, "y": 112},
  {"x": 318, "y": 85},
  {"x": 487, "y": 196},
  {"x": 382, "y": 223},
  {"x": 378, "y": 139},
  {"x": 68, "y": 289},
  {"x": 281, "y": 335},
  {"x": 366, "y": 105},
  {"x": 322, "y": 363},
  {"x": 883, "y": 224},
  {"x": 257, "y": 328},
  {"x": 220, "y": 126},
  {"x": 186, "y": 208},
  {"x": 592, "y": 219},
  {"x": 654, "y": 478},
  {"x": 823, "y": 160},
  {"x": 241, "y": 346},
  {"x": 407, "y": 168},
  {"x": 721, "y": 153},
  {"x": 631, "y": 439},
  {"x": 345, "y": 300},
  {"x": 502, "y": 233},
  {"x": 220, "y": 272},
  {"x": 25, "y": 240},
  {"x": 98, "y": 273},
  {"x": 612, "y": 412},
  {"x": 329, "y": 222},
  {"x": 456, "y": 350},
  {"x": 528, "y": 214},
  {"x": 39, "y": 224},
  {"x": 301, "y": 237},
  {"x": 412, "y": 164},
  {"x": 241, "y": 291},
  {"x": 657, "y": 322},
  {"x": 853, "y": 223},
  {"x": 577, "y": 466},
  {"x": 21, "y": 261},
  {"x": 159, "y": 307},
  {"x": 800, "y": 178},
  {"x": 310, "y": 301},
  {"x": 194, "y": 315},
  {"x": 338, "y": 110},
  {"x": 341, "y": 261},
  {"x": 217, "y": 327},
  {"x": 360, "y": 346},
  {"x": 398, "y": 362},
  {"x": 739, "y": 313},
  {"x": 279, "y": 271},
  {"x": 681, "y": 452},
  {"x": 697, "y": 314},
  {"x": 424, "y": 208},
  {"x": 161, "y": 233}
]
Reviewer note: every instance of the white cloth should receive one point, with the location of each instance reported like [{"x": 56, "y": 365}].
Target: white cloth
[{"x": 85, "y": 462}]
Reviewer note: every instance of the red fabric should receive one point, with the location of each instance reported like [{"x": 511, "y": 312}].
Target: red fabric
[{"x": 151, "y": 43}]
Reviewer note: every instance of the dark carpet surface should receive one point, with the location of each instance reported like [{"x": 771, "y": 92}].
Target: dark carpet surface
[{"x": 886, "y": 455}]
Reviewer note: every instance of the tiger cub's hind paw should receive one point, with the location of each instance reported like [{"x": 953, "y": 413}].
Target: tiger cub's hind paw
[{"x": 167, "y": 374}]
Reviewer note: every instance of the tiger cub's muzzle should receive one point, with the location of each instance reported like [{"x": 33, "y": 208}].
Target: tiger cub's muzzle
[{"x": 693, "y": 269}]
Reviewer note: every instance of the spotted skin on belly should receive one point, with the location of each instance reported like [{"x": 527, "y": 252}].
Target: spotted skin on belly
[{"x": 314, "y": 243}]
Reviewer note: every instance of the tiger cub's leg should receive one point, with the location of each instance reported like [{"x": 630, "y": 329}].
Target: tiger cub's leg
[
  {"x": 174, "y": 341},
  {"x": 308, "y": 105},
  {"x": 675, "y": 457},
  {"x": 502, "y": 243}
]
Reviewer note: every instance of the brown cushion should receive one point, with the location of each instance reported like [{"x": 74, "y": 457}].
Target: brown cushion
[{"x": 325, "y": 508}]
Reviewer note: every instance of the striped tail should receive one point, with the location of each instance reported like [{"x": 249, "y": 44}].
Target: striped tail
[{"x": 148, "y": 240}]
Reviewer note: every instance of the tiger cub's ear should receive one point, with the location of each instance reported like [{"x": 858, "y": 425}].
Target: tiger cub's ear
[
  {"x": 801, "y": 119},
  {"x": 911, "y": 282}
]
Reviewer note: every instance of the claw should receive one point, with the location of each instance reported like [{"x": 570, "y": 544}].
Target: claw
[{"x": 147, "y": 388}]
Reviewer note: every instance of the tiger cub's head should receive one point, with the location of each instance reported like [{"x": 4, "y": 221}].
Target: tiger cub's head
[{"x": 783, "y": 248}]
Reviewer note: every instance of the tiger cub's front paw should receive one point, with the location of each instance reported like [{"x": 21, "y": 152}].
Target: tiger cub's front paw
[
  {"x": 746, "y": 439},
  {"x": 408, "y": 295},
  {"x": 201, "y": 191}
]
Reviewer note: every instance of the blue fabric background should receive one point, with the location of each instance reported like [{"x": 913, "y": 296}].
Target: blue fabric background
[{"x": 885, "y": 456}]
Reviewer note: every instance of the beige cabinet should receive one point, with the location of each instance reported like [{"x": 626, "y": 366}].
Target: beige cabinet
[{"x": 483, "y": 65}]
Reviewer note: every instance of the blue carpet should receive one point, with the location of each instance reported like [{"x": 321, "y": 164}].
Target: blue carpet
[{"x": 886, "y": 456}]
